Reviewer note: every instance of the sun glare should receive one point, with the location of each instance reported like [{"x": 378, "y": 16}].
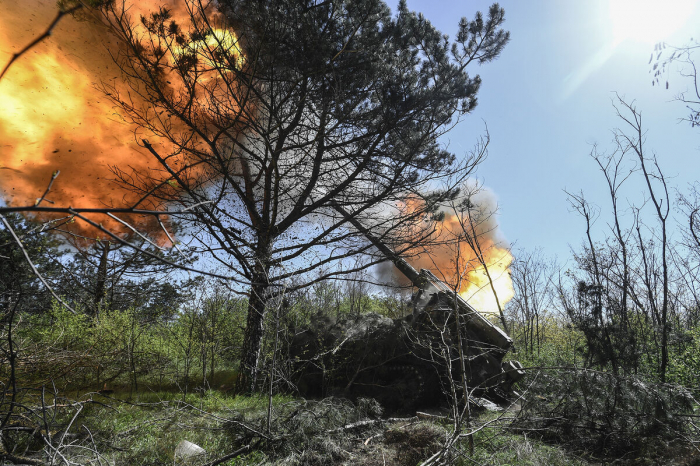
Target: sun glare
[{"x": 648, "y": 21}]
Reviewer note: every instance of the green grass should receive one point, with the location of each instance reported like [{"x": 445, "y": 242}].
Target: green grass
[
  {"x": 146, "y": 429},
  {"x": 500, "y": 447}
]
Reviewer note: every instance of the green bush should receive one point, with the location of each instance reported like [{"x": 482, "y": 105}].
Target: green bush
[
  {"x": 599, "y": 412},
  {"x": 684, "y": 359}
]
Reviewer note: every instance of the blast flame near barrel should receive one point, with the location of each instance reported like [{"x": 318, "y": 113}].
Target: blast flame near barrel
[
  {"x": 481, "y": 273},
  {"x": 469, "y": 242}
]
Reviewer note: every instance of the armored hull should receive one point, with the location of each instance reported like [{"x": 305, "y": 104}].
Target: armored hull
[{"x": 406, "y": 363}]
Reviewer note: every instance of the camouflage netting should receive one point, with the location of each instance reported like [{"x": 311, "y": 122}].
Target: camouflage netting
[{"x": 365, "y": 356}]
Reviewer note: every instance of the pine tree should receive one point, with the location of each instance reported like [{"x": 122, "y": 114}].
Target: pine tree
[{"x": 311, "y": 104}]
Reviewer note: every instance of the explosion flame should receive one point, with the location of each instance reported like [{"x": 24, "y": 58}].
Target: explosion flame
[{"x": 56, "y": 116}]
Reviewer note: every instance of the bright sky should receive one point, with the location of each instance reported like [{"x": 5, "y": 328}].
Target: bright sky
[{"x": 548, "y": 98}]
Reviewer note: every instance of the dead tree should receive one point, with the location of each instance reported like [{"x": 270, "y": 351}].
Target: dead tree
[{"x": 625, "y": 299}]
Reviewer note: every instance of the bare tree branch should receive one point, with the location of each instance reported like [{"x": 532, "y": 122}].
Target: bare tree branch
[
  {"x": 31, "y": 264},
  {"x": 41, "y": 37}
]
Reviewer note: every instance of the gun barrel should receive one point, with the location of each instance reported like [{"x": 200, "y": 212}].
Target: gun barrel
[
  {"x": 430, "y": 284},
  {"x": 405, "y": 268}
]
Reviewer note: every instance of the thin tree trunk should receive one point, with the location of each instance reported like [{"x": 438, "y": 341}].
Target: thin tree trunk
[
  {"x": 100, "y": 286},
  {"x": 272, "y": 365},
  {"x": 252, "y": 338}
]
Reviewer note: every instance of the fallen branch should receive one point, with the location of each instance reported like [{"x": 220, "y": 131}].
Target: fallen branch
[
  {"x": 19, "y": 460},
  {"x": 372, "y": 422},
  {"x": 433, "y": 417},
  {"x": 229, "y": 456}
]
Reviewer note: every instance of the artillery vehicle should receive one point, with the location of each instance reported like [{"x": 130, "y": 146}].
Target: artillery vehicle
[{"x": 407, "y": 363}]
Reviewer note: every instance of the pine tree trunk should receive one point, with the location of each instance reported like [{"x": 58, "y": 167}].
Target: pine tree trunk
[
  {"x": 252, "y": 339},
  {"x": 253, "y": 336}
]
